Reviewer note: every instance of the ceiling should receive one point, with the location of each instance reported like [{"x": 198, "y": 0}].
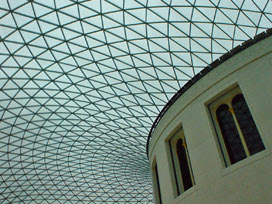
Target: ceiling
[{"x": 81, "y": 82}]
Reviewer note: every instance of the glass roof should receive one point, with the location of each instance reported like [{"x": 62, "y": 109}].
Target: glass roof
[{"x": 81, "y": 82}]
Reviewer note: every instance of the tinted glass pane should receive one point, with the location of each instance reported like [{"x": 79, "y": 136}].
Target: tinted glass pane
[
  {"x": 184, "y": 166},
  {"x": 247, "y": 125},
  {"x": 173, "y": 155},
  {"x": 230, "y": 134},
  {"x": 158, "y": 184}
]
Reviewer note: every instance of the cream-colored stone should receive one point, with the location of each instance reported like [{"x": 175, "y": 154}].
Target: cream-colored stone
[{"x": 247, "y": 181}]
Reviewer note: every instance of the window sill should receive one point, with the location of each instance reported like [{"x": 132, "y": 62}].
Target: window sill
[
  {"x": 185, "y": 194},
  {"x": 246, "y": 161}
]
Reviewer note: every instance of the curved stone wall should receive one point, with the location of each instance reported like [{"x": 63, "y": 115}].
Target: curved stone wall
[{"x": 215, "y": 180}]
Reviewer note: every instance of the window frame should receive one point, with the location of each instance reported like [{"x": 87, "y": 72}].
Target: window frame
[
  {"x": 227, "y": 98},
  {"x": 175, "y": 165}
]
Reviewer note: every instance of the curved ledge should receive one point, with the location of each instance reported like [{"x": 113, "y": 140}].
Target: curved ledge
[{"x": 202, "y": 73}]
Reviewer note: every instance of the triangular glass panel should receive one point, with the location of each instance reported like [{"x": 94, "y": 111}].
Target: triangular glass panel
[
  {"x": 131, "y": 4},
  {"x": 71, "y": 9},
  {"x": 96, "y": 21},
  {"x": 39, "y": 43},
  {"x": 11, "y": 62},
  {"x": 153, "y": 32},
  {"x": 26, "y": 9},
  {"x": 16, "y": 38},
  {"x": 185, "y": 12},
  {"x": 41, "y": 10},
  {"x": 17, "y": 4},
  {"x": 228, "y": 15},
  {"x": 265, "y": 22},
  {"x": 161, "y": 59},
  {"x": 7, "y": 19},
  {"x": 46, "y": 27},
  {"x": 112, "y": 38},
  {"x": 85, "y": 12}
]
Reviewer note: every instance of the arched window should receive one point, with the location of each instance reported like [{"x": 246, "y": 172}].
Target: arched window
[
  {"x": 230, "y": 134},
  {"x": 182, "y": 169},
  {"x": 237, "y": 133}
]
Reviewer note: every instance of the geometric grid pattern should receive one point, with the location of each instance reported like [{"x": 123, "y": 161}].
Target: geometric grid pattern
[{"x": 82, "y": 81}]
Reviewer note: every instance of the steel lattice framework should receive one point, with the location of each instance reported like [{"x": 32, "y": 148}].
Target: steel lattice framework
[{"x": 82, "y": 81}]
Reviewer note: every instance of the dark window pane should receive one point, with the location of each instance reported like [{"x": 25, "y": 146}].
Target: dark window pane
[
  {"x": 247, "y": 125},
  {"x": 184, "y": 166},
  {"x": 158, "y": 184},
  {"x": 175, "y": 170},
  {"x": 230, "y": 134}
]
